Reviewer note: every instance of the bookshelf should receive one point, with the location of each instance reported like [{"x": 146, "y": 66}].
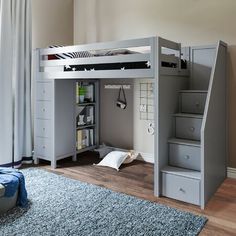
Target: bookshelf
[{"x": 87, "y": 114}]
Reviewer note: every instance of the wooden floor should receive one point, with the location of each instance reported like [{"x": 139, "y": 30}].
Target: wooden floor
[{"x": 137, "y": 179}]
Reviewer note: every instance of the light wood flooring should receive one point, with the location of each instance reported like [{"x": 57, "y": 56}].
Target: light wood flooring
[{"x": 137, "y": 179}]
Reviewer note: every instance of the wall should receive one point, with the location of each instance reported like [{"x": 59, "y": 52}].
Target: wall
[
  {"x": 52, "y": 22},
  {"x": 191, "y": 22}
]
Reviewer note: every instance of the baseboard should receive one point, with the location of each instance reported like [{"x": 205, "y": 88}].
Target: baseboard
[
  {"x": 147, "y": 157},
  {"x": 231, "y": 172}
]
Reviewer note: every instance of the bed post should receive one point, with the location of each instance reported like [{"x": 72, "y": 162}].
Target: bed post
[{"x": 155, "y": 58}]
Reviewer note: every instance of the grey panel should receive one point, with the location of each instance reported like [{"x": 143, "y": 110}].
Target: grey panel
[
  {"x": 181, "y": 188},
  {"x": 214, "y": 130},
  {"x": 65, "y": 124},
  {"x": 185, "y": 156},
  {"x": 193, "y": 102},
  {"x": 168, "y": 88},
  {"x": 116, "y": 125},
  {"x": 188, "y": 128},
  {"x": 202, "y": 60}
]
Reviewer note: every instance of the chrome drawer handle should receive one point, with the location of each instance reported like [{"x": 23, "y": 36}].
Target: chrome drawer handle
[
  {"x": 192, "y": 129},
  {"x": 181, "y": 190}
]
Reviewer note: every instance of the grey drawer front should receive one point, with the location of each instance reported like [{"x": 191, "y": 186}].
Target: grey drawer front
[
  {"x": 181, "y": 188},
  {"x": 43, "y": 110},
  {"x": 43, "y": 128},
  {"x": 193, "y": 102},
  {"x": 44, "y": 91},
  {"x": 43, "y": 148},
  {"x": 188, "y": 128},
  {"x": 184, "y": 156}
]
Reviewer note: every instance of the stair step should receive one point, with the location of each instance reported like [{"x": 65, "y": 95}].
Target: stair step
[
  {"x": 188, "y": 115},
  {"x": 185, "y": 142},
  {"x": 182, "y": 172},
  {"x": 193, "y": 91}
]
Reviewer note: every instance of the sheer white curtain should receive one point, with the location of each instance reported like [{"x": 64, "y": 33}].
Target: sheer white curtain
[{"x": 15, "y": 82}]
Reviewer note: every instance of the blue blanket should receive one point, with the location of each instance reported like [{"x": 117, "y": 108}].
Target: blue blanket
[{"x": 12, "y": 180}]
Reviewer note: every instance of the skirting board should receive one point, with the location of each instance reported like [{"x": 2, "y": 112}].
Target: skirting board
[{"x": 231, "y": 172}]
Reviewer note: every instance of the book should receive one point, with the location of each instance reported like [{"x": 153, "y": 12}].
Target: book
[
  {"x": 77, "y": 92},
  {"x": 79, "y": 139}
]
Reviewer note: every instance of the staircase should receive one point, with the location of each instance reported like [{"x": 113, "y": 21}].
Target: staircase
[{"x": 181, "y": 178}]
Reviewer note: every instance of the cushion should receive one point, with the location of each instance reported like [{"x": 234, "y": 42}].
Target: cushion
[
  {"x": 103, "y": 150},
  {"x": 114, "y": 159}
]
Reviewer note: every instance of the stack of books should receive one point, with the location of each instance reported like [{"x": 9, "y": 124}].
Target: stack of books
[{"x": 85, "y": 138}]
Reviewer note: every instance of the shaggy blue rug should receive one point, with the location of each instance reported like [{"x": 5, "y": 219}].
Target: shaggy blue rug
[{"x": 62, "y": 206}]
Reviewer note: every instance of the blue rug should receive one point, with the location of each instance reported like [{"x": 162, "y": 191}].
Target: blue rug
[{"x": 62, "y": 206}]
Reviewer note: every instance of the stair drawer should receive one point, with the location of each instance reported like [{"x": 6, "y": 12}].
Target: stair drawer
[
  {"x": 193, "y": 102},
  {"x": 44, "y": 91},
  {"x": 43, "y": 148},
  {"x": 43, "y": 110},
  {"x": 188, "y": 128},
  {"x": 184, "y": 156},
  {"x": 43, "y": 128},
  {"x": 181, "y": 188}
]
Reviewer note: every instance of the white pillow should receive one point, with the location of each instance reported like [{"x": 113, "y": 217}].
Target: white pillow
[{"x": 113, "y": 159}]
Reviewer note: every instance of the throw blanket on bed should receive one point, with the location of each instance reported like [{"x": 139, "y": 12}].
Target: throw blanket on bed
[{"x": 12, "y": 180}]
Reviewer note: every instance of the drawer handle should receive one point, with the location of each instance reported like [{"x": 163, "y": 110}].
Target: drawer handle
[
  {"x": 192, "y": 129},
  {"x": 44, "y": 91},
  {"x": 44, "y": 147},
  {"x": 44, "y": 129},
  {"x": 197, "y": 104},
  {"x": 187, "y": 157},
  {"x": 182, "y": 190},
  {"x": 44, "y": 110}
]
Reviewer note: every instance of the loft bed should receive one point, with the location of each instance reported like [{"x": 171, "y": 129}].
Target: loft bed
[{"x": 137, "y": 58}]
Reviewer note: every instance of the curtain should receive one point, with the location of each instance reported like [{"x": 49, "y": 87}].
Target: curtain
[{"x": 15, "y": 82}]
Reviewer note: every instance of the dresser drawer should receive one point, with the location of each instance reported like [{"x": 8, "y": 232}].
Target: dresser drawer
[
  {"x": 188, "y": 128},
  {"x": 181, "y": 188},
  {"x": 43, "y": 147},
  {"x": 193, "y": 102},
  {"x": 44, "y": 91},
  {"x": 43, "y": 110},
  {"x": 184, "y": 156},
  {"x": 43, "y": 128}
]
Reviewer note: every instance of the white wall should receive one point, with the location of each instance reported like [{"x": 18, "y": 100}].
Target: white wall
[
  {"x": 52, "y": 22},
  {"x": 191, "y": 22}
]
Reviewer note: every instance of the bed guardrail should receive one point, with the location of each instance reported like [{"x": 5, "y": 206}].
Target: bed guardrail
[{"x": 139, "y": 60}]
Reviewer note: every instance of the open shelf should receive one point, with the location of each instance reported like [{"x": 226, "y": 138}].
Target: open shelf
[
  {"x": 85, "y": 126},
  {"x": 86, "y": 103},
  {"x": 85, "y": 149}
]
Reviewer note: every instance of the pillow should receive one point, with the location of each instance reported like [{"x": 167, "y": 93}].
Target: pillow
[
  {"x": 114, "y": 159},
  {"x": 103, "y": 150}
]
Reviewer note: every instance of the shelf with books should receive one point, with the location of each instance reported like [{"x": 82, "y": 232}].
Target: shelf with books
[
  {"x": 85, "y": 126},
  {"x": 87, "y": 115}
]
